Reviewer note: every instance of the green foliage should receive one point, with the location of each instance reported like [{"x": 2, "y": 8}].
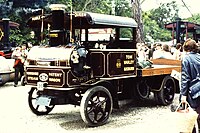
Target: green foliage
[
  {"x": 125, "y": 33},
  {"x": 22, "y": 34},
  {"x": 103, "y": 6},
  {"x": 165, "y": 13},
  {"x": 155, "y": 19},
  {"x": 195, "y": 18},
  {"x": 16, "y": 36},
  {"x": 98, "y": 6},
  {"x": 123, "y": 8},
  {"x": 28, "y": 3},
  {"x": 19, "y": 37}
]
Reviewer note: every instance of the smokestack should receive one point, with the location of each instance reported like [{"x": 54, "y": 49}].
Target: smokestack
[
  {"x": 57, "y": 33},
  {"x": 6, "y": 30}
]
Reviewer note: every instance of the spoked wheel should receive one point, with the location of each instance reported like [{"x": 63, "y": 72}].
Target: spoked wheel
[
  {"x": 96, "y": 106},
  {"x": 37, "y": 109},
  {"x": 143, "y": 90},
  {"x": 166, "y": 95}
]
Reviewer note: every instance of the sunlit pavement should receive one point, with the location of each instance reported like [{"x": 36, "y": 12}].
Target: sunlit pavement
[{"x": 16, "y": 117}]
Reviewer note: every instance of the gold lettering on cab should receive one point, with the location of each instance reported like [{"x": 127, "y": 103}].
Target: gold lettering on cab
[
  {"x": 129, "y": 68},
  {"x": 54, "y": 79},
  {"x": 32, "y": 78},
  {"x": 55, "y": 74},
  {"x": 126, "y": 62},
  {"x": 53, "y": 35},
  {"x": 32, "y": 73},
  {"x": 129, "y": 57}
]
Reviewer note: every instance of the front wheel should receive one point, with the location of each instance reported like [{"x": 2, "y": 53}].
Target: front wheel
[
  {"x": 167, "y": 91},
  {"x": 37, "y": 109},
  {"x": 96, "y": 106}
]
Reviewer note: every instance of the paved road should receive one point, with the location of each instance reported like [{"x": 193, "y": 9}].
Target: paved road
[{"x": 15, "y": 116}]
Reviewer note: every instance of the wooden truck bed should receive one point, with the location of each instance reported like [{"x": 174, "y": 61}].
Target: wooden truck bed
[{"x": 160, "y": 67}]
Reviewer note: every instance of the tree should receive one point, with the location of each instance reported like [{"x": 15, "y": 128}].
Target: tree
[
  {"x": 137, "y": 15},
  {"x": 155, "y": 19},
  {"x": 28, "y": 3},
  {"x": 103, "y": 6},
  {"x": 123, "y": 8},
  {"x": 165, "y": 13},
  {"x": 5, "y": 8},
  {"x": 195, "y": 18}
]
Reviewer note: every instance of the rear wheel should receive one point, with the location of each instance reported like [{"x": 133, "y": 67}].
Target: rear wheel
[
  {"x": 143, "y": 90},
  {"x": 96, "y": 106},
  {"x": 166, "y": 94},
  {"x": 37, "y": 109}
]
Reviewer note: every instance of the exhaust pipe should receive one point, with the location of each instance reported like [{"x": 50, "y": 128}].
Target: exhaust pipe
[{"x": 57, "y": 33}]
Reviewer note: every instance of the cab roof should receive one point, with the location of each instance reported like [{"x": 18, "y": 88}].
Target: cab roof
[{"x": 86, "y": 20}]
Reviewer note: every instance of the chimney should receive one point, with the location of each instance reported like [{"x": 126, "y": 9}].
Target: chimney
[{"x": 57, "y": 33}]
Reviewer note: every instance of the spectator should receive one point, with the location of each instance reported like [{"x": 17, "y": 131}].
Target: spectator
[
  {"x": 166, "y": 52},
  {"x": 162, "y": 52},
  {"x": 158, "y": 51},
  {"x": 190, "y": 70},
  {"x": 151, "y": 51},
  {"x": 178, "y": 52},
  {"x": 19, "y": 55},
  {"x": 141, "y": 52}
]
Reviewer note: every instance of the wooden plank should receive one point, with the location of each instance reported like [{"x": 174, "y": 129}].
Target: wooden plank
[
  {"x": 166, "y": 62},
  {"x": 159, "y": 70}
]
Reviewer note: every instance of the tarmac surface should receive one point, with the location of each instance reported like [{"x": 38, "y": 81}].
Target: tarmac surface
[{"x": 16, "y": 117}]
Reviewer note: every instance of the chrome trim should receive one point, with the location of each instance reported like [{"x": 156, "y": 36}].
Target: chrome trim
[
  {"x": 55, "y": 88},
  {"x": 57, "y": 67},
  {"x": 43, "y": 63},
  {"x": 113, "y": 50},
  {"x": 120, "y": 77}
]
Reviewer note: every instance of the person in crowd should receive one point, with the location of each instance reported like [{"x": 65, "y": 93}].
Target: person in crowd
[
  {"x": 166, "y": 52},
  {"x": 151, "y": 50},
  {"x": 158, "y": 51},
  {"x": 141, "y": 52},
  {"x": 24, "y": 50},
  {"x": 19, "y": 54},
  {"x": 190, "y": 70},
  {"x": 178, "y": 52},
  {"x": 162, "y": 51}
]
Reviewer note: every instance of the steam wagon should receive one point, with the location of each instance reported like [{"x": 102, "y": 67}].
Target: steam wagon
[{"x": 88, "y": 62}]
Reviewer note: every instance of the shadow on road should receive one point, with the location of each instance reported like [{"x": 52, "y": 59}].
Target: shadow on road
[{"x": 130, "y": 112}]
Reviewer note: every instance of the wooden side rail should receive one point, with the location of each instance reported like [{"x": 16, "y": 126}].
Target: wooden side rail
[{"x": 166, "y": 62}]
